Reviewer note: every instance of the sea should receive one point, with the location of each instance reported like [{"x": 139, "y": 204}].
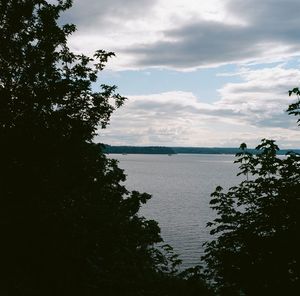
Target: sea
[{"x": 180, "y": 186}]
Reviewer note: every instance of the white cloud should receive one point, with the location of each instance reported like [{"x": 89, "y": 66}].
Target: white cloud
[
  {"x": 187, "y": 34},
  {"x": 246, "y": 112},
  {"x": 262, "y": 94}
]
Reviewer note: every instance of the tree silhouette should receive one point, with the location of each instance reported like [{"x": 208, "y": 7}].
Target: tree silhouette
[
  {"x": 256, "y": 248},
  {"x": 68, "y": 225}
]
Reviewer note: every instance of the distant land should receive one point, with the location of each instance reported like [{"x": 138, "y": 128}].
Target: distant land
[{"x": 179, "y": 150}]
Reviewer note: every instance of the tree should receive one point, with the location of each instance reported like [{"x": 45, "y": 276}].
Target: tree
[
  {"x": 256, "y": 248},
  {"x": 68, "y": 225}
]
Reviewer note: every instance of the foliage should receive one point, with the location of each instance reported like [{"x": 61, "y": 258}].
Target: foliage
[
  {"x": 68, "y": 225},
  {"x": 255, "y": 250},
  {"x": 294, "y": 109}
]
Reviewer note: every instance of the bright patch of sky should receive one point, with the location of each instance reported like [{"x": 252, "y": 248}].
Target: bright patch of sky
[
  {"x": 203, "y": 83},
  {"x": 196, "y": 73}
]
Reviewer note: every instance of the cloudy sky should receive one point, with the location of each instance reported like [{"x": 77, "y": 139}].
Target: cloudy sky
[{"x": 196, "y": 73}]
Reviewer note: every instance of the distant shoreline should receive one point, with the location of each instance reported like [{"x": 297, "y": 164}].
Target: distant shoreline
[{"x": 109, "y": 149}]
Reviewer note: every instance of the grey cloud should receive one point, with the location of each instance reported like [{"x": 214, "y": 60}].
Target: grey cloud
[
  {"x": 266, "y": 11},
  {"x": 276, "y": 19},
  {"x": 250, "y": 89},
  {"x": 168, "y": 108},
  {"x": 143, "y": 121},
  {"x": 269, "y": 24},
  {"x": 197, "y": 45},
  {"x": 155, "y": 109},
  {"x": 282, "y": 120},
  {"x": 99, "y": 15},
  {"x": 239, "y": 114}
]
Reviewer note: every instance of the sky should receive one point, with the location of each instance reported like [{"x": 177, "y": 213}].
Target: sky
[{"x": 196, "y": 73}]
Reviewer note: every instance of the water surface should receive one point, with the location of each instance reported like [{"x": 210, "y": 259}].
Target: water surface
[{"x": 180, "y": 185}]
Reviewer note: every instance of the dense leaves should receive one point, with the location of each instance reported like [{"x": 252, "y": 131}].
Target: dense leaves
[
  {"x": 294, "y": 109},
  {"x": 68, "y": 225},
  {"x": 256, "y": 247}
]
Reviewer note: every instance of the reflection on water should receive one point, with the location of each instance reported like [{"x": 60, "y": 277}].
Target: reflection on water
[{"x": 180, "y": 186}]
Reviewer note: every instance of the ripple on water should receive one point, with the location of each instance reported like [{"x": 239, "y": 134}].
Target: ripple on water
[{"x": 180, "y": 186}]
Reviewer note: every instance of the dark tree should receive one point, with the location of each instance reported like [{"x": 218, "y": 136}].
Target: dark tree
[
  {"x": 256, "y": 245},
  {"x": 68, "y": 226},
  {"x": 294, "y": 109}
]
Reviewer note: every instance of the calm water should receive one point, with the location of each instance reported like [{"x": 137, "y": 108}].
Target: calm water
[{"x": 180, "y": 186}]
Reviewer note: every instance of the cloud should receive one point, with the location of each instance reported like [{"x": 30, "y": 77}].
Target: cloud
[
  {"x": 267, "y": 12},
  {"x": 96, "y": 15},
  {"x": 262, "y": 96},
  {"x": 119, "y": 26},
  {"x": 266, "y": 30},
  {"x": 108, "y": 25},
  {"x": 187, "y": 35},
  {"x": 246, "y": 112}
]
